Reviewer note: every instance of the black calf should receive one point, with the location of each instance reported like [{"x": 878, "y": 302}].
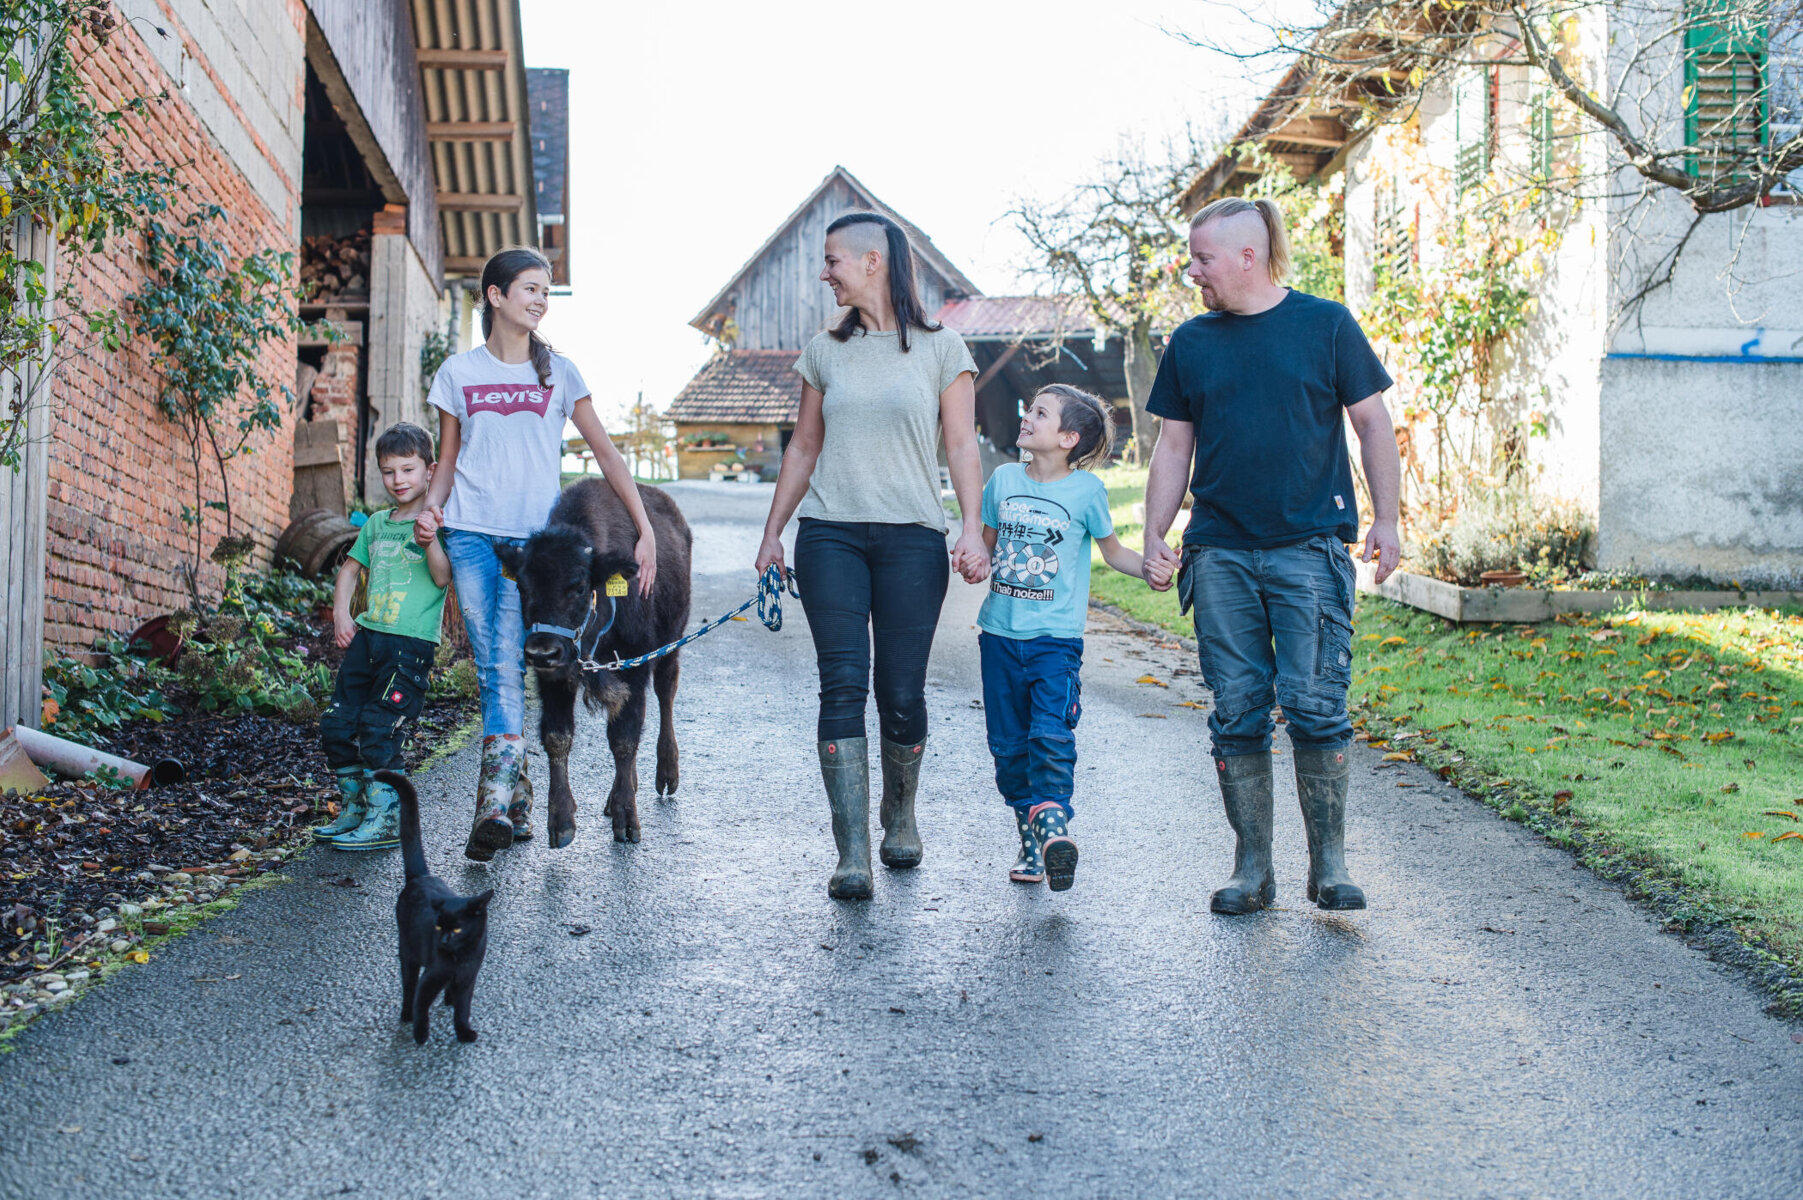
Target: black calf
[{"x": 563, "y": 573}]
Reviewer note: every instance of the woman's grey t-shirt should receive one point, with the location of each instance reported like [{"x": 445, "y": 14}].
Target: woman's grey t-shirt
[{"x": 879, "y": 461}]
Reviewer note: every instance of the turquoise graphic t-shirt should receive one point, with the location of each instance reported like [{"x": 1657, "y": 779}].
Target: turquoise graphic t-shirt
[{"x": 1039, "y": 584}]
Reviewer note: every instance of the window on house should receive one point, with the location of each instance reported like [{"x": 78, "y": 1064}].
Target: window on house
[
  {"x": 1541, "y": 135},
  {"x": 1393, "y": 241},
  {"x": 1726, "y": 108},
  {"x": 1474, "y": 127}
]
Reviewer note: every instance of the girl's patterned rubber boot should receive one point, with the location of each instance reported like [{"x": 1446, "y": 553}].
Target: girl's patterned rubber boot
[
  {"x": 353, "y": 803},
  {"x": 1029, "y": 867},
  {"x": 503, "y": 754},
  {"x": 519, "y": 810},
  {"x": 1055, "y": 846}
]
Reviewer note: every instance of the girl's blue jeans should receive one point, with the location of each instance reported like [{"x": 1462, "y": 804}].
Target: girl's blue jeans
[
  {"x": 1032, "y": 699},
  {"x": 490, "y": 604},
  {"x": 1273, "y": 626}
]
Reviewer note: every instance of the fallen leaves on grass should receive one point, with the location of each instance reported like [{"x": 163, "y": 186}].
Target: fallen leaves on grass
[{"x": 1779, "y": 812}]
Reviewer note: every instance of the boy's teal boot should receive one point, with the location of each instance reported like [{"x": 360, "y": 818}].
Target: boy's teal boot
[
  {"x": 1028, "y": 868},
  {"x": 1051, "y": 829},
  {"x": 352, "y": 805},
  {"x": 381, "y": 828}
]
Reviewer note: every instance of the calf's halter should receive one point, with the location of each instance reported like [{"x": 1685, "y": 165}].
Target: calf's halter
[{"x": 584, "y": 657}]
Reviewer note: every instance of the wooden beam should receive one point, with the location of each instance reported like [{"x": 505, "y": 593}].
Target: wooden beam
[
  {"x": 995, "y": 368},
  {"x": 471, "y": 131},
  {"x": 478, "y": 202},
  {"x": 1298, "y": 139},
  {"x": 464, "y": 60},
  {"x": 460, "y": 265}
]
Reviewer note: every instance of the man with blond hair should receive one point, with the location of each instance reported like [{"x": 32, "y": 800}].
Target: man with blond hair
[{"x": 1255, "y": 395}]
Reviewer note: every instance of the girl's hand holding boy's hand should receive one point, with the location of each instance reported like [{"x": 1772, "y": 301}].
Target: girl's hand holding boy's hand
[
  {"x": 343, "y": 628},
  {"x": 426, "y": 524},
  {"x": 645, "y": 555}
]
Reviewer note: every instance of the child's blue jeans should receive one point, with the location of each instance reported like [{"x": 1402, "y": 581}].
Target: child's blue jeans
[
  {"x": 490, "y": 604},
  {"x": 1032, "y": 698}
]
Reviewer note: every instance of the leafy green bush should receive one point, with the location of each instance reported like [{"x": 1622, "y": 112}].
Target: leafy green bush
[
  {"x": 455, "y": 682},
  {"x": 1510, "y": 529},
  {"x": 82, "y": 700}
]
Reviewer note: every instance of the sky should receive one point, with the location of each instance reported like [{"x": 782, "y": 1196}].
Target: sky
[{"x": 696, "y": 128}]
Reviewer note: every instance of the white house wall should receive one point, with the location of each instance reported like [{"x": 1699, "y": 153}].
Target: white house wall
[{"x": 1702, "y": 380}]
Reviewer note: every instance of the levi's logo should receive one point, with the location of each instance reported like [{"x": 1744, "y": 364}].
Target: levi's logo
[{"x": 506, "y": 398}]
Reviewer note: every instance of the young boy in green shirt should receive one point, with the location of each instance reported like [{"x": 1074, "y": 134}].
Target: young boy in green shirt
[{"x": 388, "y": 648}]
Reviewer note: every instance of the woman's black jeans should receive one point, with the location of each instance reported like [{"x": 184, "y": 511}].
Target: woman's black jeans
[{"x": 863, "y": 583}]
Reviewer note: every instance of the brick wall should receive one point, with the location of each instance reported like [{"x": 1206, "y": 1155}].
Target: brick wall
[{"x": 119, "y": 471}]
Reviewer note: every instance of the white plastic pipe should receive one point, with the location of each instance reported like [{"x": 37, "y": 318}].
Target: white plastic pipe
[{"x": 76, "y": 761}]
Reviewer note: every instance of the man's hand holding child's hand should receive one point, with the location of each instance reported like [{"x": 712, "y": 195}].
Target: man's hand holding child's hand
[{"x": 1160, "y": 564}]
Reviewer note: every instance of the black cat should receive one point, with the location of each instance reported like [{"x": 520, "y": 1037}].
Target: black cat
[{"x": 443, "y": 935}]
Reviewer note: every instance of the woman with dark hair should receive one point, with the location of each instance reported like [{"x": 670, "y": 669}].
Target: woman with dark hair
[
  {"x": 878, "y": 390},
  {"x": 502, "y": 408}
]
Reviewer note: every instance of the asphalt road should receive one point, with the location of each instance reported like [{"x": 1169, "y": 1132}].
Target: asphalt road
[{"x": 1498, "y": 1023}]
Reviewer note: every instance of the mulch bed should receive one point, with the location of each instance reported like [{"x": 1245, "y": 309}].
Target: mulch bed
[{"x": 254, "y": 786}]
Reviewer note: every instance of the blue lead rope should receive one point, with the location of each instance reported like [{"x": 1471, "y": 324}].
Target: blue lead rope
[{"x": 769, "y": 601}]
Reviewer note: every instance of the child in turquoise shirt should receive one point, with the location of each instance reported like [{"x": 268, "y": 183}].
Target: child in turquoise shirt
[{"x": 1038, "y": 520}]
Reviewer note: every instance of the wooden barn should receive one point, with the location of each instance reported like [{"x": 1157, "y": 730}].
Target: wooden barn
[{"x": 741, "y": 406}]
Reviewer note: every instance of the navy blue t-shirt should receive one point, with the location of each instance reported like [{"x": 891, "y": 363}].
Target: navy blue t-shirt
[{"x": 1266, "y": 394}]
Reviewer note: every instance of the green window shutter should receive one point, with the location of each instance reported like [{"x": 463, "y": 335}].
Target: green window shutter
[
  {"x": 1726, "y": 109},
  {"x": 1540, "y": 134},
  {"x": 1474, "y": 128}
]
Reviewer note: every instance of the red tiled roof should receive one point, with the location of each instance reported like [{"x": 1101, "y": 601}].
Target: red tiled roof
[
  {"x": 742, "y": 387},
  {"x": 1010, "y": 318}
]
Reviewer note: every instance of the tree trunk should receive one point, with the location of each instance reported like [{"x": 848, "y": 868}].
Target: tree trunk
[{"x": 1142, "y": 367}]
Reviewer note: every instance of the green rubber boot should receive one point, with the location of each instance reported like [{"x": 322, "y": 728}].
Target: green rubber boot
[
  {"x": 352, "y": 807},
  {"x": 1028, "y": 868},
  {"x": 1246, "y": 792},
  {"x": 901, "y": 778},
  {"x": 1322, "y": 780},
  {"x": 381, "y": 828},
  {"x": 845, "y": 769}
]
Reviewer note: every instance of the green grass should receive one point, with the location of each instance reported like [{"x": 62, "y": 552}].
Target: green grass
[{"x": 1665, "y": 748}]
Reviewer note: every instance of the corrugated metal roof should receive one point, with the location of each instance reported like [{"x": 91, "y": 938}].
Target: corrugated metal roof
[
  {"x": 1012, "y": 318},
  {"x": 485, "y": 186},
  {"x": 742, "y": 387}
]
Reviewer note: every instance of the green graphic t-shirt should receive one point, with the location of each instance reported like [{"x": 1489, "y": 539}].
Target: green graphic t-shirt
[{"x": 402, "y": 597}]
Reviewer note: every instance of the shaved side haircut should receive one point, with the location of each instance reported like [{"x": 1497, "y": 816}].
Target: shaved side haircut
[{"x": 1276, "y": 241}]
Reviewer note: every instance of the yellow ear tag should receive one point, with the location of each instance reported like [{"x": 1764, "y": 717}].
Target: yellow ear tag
[{"x": 616, "y": 584}]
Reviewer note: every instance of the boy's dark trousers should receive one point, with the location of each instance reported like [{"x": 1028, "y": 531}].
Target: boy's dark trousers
[
  {"x": 381, "y": 689},
  {"x": 1032, "y": 699}
]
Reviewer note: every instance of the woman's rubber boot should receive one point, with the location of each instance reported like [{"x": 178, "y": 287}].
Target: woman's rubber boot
[
  {"x": 901, "y": 778},
  {"x": 1056, "y": 849},
  {"x": 503, "y": 754},
  {"x": 1029, "y": 867},
  {"x": 1246, "y": 792},
  {"x": 381, "y": 828},
  {"x": 352, "y": 806},
  {"x": 845, "y": 769},
  {"x": 1322, "y": 780},
  {"x": 519, "y": 809}
]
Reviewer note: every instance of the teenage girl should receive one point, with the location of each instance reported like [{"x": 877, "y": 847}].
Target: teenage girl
[
  {"x": 502, "y": 408},
  {"x": 1038, "y": 519}
]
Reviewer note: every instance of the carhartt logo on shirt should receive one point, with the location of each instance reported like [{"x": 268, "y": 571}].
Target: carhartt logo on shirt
[{"x": 506, "y": 398}]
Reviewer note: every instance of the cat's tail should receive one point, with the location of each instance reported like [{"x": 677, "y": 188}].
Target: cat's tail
[{"x": 413, "y": 855}]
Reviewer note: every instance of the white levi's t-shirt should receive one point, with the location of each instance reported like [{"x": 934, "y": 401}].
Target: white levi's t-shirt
[{"x": 510, "y": 460}]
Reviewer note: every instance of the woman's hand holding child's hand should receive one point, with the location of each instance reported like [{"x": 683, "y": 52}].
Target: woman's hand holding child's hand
[
  {"x": 970, "y": 558},
  {"x": 426, "y": 524}
]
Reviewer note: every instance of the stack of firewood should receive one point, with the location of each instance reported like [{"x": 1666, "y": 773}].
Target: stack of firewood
[{"x": 334, "y": 268}]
